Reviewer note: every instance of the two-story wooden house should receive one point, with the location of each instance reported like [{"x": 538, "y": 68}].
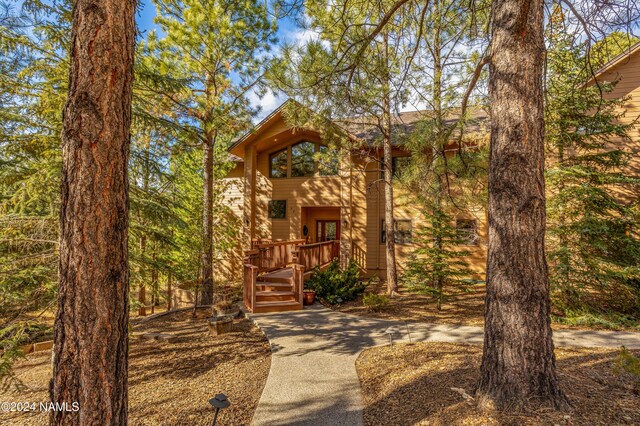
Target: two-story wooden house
[{"x": 283, "y": 192}]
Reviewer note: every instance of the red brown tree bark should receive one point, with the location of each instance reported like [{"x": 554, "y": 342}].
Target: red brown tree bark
[
  {"x": 518, "y": 364},
  {"x": 91, "y": 344},
  {"x": 207, "y": 226}
]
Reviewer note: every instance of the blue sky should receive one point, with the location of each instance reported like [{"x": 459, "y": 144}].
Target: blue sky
[{"x": 288, "y": 31}]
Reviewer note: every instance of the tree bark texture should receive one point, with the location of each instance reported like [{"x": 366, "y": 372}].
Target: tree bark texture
[
  {"x": 390, "y": 239},
  {"x": 390, "y": 244},
  {"x": 91, "y": 344},
  {"x": 207, "y": 227},
  {"x": 518, "y": 364}
]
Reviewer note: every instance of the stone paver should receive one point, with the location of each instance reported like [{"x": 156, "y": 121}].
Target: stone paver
[{"x": 313, "y": 379}]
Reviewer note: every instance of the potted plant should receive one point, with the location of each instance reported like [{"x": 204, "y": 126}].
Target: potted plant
[{"x": 309, "y": 296}]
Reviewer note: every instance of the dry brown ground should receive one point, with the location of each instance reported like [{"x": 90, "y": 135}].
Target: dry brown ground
[
  {"x": 411, "y": 385},
  {"x": 171, "y": 383},
  {"x": 466, "y": 308}
]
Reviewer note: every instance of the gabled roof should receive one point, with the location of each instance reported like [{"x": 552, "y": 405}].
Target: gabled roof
[
  {"x": 404, "y": 123},
  {"x": 255, "y": 130},
  {"x": 268, "y": 121},
  {"x": 622, "y": 58},
  {"x": 360, "y": 128}
]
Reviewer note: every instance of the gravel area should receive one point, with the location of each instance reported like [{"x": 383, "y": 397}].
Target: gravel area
[
  {"x": 412, "y": 385},
  {"x": 171, "y": 383}
]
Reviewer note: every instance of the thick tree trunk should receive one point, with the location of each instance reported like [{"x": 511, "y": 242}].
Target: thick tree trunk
[
  {"x": 91, "y": 344},
  {"x": 207, "y": 228},
  {"x": 518, "y": 363}
]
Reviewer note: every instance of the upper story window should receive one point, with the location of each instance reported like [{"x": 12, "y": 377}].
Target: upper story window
[
  {"x": 327, "y": 162},
  {"x": 302, "y": 159},
  {"x": 278, "y": 164}
]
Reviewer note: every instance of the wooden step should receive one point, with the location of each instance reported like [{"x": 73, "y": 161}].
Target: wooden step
[
  {"x": 268, "y": 286},
  {"x": 266, "y": 296},
  {"x": 276, "y": 306},
  {"x": 276, "y": 279}
]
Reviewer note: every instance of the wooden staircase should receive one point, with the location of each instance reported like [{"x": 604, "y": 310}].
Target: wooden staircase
[
  {"x": 274, "y": 273},
  {"x": 275, "y": 292}
]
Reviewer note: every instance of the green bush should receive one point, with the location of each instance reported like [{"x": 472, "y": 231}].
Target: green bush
[
  {"x": 626, "y": 364},
  {"x": 335, "y": 285},
  {"x": 375, "y": 302}
]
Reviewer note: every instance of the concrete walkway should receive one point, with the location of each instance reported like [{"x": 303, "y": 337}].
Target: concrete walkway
[{"x": 313, "y": 379}]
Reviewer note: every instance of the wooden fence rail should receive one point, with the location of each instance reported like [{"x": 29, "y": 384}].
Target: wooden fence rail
[
  {"x": 318, "y": 254},
  {"x": 272, "y": 255}
]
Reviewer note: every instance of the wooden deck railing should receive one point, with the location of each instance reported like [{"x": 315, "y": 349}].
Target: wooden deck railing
[
  {"x": 318, "y": 254},
  {"x": 302, "y": 258},
  {"x": 273, "y": 255}
]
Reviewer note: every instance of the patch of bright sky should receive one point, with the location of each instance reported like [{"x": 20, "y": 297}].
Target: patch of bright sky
[{"x": 288, "y": 32}]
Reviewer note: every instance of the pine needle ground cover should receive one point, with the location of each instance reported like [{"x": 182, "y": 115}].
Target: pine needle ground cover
[
  {"x": 171, "y": 383},
  {"x": 465, "y": 306},
  {"x": 432, "y": 384}
]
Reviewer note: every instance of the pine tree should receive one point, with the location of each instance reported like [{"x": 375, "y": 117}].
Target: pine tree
[
  {"x": 593, "y": 248},
  {"x": 370, "y": 91},
  {"x": 33, "y": 81},
  {"x": 90, "y": 355},
  {"x": 447, "y": 170},
  {"x": 201, "y": 64},
  {"x": 153, "y": 210},
  {"x": 437, "y": 269},
  {"x": 518, "y": 362}
]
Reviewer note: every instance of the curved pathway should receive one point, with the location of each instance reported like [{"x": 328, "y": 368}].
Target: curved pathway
[{"x": 313, "y": 378}]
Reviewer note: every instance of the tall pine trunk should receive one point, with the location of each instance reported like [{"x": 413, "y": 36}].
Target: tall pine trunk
[
  {"x": 518, "y": 364},
  {"x": 390, "y": 239},
  {"x": 142, "y": 290},
  {"x": 439, "y": 154},
  {"x": 91, "y": 344},
  {"x": 207, "y": 227}
]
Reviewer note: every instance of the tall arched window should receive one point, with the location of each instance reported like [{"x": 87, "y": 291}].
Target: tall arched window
[
  {"x": 278, "y": 164},
  {"x": 302, "y": 163}
]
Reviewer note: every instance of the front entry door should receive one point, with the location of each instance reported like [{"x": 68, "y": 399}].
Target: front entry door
[{"x": 328, "y": 230}]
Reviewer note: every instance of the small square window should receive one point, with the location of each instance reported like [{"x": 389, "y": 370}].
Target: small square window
[
  {"x": 278, "y": 209},
  {"x": 403, "y": 233},
  {"x": 467, "y": 231}
]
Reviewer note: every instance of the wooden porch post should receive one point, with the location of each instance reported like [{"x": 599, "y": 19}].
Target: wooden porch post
[
  {"x": 346, "y": 199},
  {"x": 249, "y": 200}
]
